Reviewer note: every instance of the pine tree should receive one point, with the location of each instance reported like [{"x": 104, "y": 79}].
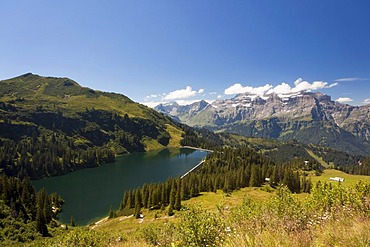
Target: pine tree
[
  {"x": 253, "y": 182},
  {"x": 226, "y": 188},
  {"x": 41, "y": 222},
  {"x": 41, "y": 213},
  {"x": 72, "y": 221},
  {"x": 138, "y": 203},
  {"x": 170, "y": 210},
  {"x": 184, "y": 190},
  {"x": 163, "y": 196},
  {"x": 288, "y": 179},
  {"x": 137, "y": 211},
  {"x": 172, "y": 198},
  {"x": 111, "y": 214},
  {"x": 130, "y": 199},
  {"x": 177, "y": 205},
  {"x": 145, "y": 195},
  {"x": 124, "y": 201}
]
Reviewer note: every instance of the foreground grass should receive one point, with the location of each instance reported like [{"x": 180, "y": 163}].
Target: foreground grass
[{"x": 335, "y": 215}]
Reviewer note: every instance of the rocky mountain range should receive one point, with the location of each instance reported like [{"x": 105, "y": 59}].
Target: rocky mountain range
[{"x": 305, "y": 116}]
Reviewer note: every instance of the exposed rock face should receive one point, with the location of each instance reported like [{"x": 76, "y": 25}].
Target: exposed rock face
[{"x": 307, "y": 117}]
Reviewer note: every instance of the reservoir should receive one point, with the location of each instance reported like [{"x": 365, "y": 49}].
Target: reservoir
[{"x": 89, "y": 193}]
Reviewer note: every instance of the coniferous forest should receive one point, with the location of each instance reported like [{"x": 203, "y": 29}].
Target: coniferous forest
[
  {"x": 225, "y": 169},
  {"x": 25, "y": 213}
]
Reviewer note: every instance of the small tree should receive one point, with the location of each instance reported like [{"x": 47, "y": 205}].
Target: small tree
[
  {"x": 170, "y": 210},
  {"x": 137, "y": 211},
  {"x": 177, "y": 205},
  {"x": 72, "y": 221},
  {"x": 137, "y": 203},
  {"x": 41, "y": 222},
  {"x": 111, "y": 214}
]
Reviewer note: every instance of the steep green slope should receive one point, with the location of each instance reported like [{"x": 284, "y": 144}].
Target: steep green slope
[
  {"x": 49, "y": 126},
  {"x": 32, "y": 92}
]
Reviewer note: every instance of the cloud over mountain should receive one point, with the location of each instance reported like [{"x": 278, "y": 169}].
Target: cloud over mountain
[
  {"x": 299, "y": 86},
  {"x": 180, "y": 94},
  {"x": 344, "y": 100},
  {"x": 238, "y": 88}
]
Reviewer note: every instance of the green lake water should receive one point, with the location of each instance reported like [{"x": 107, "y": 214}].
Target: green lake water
[{"x": 89, "y": 193}]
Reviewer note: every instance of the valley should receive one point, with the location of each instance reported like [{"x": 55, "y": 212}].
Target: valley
[
  {"x": 104, "y": 154},
  {"x": 184, "y": 123}
]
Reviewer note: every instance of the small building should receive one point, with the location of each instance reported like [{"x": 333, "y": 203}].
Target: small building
[{"x": 338, "y": 179}]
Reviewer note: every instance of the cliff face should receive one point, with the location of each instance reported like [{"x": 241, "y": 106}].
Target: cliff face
[{"x": 306, "y": 117}]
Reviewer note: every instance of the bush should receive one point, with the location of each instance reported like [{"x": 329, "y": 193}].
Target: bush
[
  {"x": 164, "y": 235},
  {"x": 200, "y": 228}
]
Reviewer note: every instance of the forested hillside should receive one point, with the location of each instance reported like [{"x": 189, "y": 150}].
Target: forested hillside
[
  {"x": 25, "y": 213},
  {"x": 50, "y": 126}
]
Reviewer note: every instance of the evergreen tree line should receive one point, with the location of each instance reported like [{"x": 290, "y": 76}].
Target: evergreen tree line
[
  {"x": 361, "y": 168},
  {"x": 226, "y": 169},
  {"x": 23, "y": 210},
  {"x": 43, "y": 155},
  {"x": 230, "y": 169},
  {"x": 154, "y": 196},
  {"x": 201, "y": 138}
]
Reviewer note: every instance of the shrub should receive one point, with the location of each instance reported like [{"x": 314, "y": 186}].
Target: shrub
[{"x": 200, "y": 228}]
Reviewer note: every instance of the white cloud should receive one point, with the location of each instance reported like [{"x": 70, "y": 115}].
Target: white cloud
[
  {"x": 219, "y": 96},
  {"x": 180, "y": 94},
  {"x": 237, "y": 88},
  {"x": 301, "y": 85},
  {"x": 348, "y": 79},
  {"x": 283, "y": 88},
  {"x": 344, "y": 100},
  {"x": 152, "y": 96},
  {"x": 366, "y": 101}
]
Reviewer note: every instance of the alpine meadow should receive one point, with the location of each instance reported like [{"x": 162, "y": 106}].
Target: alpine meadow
[{"x": 184, "y": 123}]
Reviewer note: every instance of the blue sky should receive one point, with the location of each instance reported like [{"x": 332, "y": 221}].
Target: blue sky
[{"x": 155, "y": 51}]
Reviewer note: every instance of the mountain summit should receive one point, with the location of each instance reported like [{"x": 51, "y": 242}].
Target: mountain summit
[{"x": 306, "y": 117}]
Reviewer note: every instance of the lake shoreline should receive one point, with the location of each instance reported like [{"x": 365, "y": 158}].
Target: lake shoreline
[
  {"x": 89, "y": 193},
  {"x": 200, "y": 149}
]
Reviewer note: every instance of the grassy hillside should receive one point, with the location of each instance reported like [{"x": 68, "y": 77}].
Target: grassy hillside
[
  {"x": 31, "y": 91},
  {"x": 78, "y": 126},
  {"x": 247, "y": 217},
  {"x": 349, "y": 180}
]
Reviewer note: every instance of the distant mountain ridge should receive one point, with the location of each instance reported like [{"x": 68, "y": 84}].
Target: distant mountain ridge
[{"x": 307, "y": 117}]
